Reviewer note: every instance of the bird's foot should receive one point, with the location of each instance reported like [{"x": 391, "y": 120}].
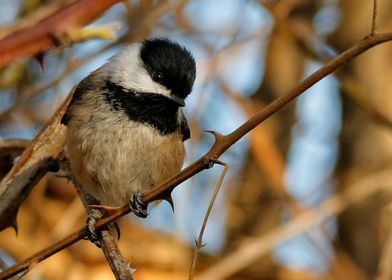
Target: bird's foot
[
  {"x": 93, "y": 234},
  {"x": 137, "y": 206},
  {"x": 95, "y": 213},
  {"x": 117, "y": 227}
]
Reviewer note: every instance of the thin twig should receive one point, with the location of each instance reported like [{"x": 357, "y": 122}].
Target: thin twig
[
  {"x": 385, "y": 267},
  {"x": 374, "y": 19},
  {"x": 199, "y": 241},
  {"x": 253, "y": 250},
  {"x": 3, "y": 265},
  {"x": 353, "y": 87},
  {"x": 221, "y": 144}
]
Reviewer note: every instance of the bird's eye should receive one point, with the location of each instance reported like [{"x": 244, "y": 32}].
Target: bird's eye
[{"x": 157, "y": 76}]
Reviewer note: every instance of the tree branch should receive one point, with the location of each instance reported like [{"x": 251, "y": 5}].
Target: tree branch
[
  {"x": 34, "y": 163},
  {"x": 222, "y": 143},
  {"x": 9, "y": 150},
  {"x": 120, "y": 268},
  {"x": 35, "y": 40}
]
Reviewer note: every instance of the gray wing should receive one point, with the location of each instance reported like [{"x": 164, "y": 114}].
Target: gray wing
[
  {"x": 80, "y": 89},
  {"x": 186, "y": 133}
]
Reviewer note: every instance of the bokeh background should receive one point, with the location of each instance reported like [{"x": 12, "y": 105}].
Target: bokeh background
[{"x": 315, "y": 152}]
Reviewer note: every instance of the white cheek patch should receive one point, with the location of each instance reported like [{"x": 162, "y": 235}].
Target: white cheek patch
[{"x": 126, "y": 70}]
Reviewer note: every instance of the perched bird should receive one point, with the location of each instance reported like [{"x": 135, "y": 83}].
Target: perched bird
[{"x": 125, "y": 123}]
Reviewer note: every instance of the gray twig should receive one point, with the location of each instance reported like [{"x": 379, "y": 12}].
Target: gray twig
[{"x": 199, "y": 241}]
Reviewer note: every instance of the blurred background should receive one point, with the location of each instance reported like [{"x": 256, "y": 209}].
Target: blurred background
[{"x": 313, "y": 156}]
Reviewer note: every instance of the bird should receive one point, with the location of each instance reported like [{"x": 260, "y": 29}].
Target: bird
[{"x": 125, "y": 123}]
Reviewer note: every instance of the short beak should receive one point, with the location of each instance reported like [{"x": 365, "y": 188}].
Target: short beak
[{"x": 180, "y": 101}]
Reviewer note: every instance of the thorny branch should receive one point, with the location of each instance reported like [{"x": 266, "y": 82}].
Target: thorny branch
[
  {"x": 222, "y": 143},
  {"x": 352, "y": 88}
]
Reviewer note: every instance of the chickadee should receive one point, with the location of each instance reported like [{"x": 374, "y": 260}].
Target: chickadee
[{"x": 125, "y": 124}]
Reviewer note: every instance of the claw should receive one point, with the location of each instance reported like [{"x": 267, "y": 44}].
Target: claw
[
  {"x": 93, "y": 216},
  {"x": 137, "y": 206},
  {"x": 169, "y": 199},
  {"x": 40, "y": 59},
  {"x": 117, "y": 227}
]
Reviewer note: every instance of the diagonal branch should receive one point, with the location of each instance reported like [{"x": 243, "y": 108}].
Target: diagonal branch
[{"x": 221, "y": 144}]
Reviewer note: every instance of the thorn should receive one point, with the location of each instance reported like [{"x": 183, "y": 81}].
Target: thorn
[
  {"x": 40, "y": 58},
  {"x": 169, "y": 199},
  {"x": 217, "y": 135},
  {"x": 60, "y": 39},
  {"x": 117, "y": 227},
  {"x": 217, "y": 161},
  {"x": 200, "y": 245},
  {"x": 14, "y": 225},
  {"x": 108, "y": 210}
]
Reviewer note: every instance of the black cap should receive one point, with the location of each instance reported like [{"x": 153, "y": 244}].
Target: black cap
[{"x": 169, "y": 64}]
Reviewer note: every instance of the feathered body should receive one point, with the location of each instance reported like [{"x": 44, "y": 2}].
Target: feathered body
[{"x": 125, "y": 125}]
